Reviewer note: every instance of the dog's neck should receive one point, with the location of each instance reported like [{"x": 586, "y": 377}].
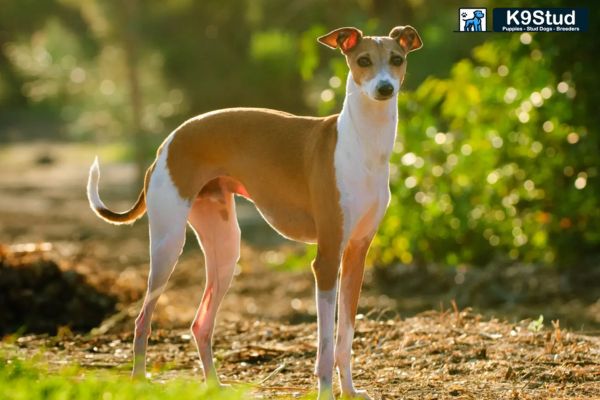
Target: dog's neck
[{"x": 367, "y": 126}]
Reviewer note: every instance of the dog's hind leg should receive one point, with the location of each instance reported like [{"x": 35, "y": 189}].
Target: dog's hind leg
[
  {"x": 213, "y": 218},
  {"x": 167, "y": 216}
]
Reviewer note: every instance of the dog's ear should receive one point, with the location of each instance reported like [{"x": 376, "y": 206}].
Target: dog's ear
[
  {"x": 344, "y": 38},
  {"x": 407, "y": 37}
]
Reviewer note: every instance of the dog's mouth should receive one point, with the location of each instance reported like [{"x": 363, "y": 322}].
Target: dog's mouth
[{"x": 379, "y": 97}]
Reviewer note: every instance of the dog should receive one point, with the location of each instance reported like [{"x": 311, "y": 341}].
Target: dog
[
  {"x": 315, "y": 180},
  {"x": 474, "y": 24}
]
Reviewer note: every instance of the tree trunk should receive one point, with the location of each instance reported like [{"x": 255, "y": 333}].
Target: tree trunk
[{"x": 131, "y": 47}]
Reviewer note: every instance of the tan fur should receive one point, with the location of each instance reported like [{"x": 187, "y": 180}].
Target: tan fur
[{"x": 284, "y": 164}]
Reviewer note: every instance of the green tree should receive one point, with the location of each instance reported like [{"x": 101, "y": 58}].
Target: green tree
[{"x": 493, "y": 163}]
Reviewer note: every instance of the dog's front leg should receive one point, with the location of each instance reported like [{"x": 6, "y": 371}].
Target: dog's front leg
[
  {"x": 353, "y": 265},
  {"x": 325, "y": 268}
]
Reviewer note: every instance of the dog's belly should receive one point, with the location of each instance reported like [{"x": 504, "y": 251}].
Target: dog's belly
[
  {"x": 291, "y": 222},
  {"x": 287, "y": 211},
  {"x": 288, "y": 215}
]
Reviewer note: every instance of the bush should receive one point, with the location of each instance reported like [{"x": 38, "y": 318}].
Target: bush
[{"x": 491, "y": 164}]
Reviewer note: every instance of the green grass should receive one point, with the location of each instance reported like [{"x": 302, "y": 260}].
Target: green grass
[{"x": 27, "y": 380}]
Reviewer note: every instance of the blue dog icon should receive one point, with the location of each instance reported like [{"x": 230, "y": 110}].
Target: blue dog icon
[{"x": 473, "y": 24}]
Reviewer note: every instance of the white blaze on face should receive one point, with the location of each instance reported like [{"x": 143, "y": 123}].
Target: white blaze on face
[{"x": 370, "y": 87}]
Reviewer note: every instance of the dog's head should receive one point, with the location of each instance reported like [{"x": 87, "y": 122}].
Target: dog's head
[
  {"x": 478, "y": 14},
  {"x": 377, "y": 63}
]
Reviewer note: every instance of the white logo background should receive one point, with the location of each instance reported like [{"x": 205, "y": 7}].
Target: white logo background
[{"x": 472, "y": 19}]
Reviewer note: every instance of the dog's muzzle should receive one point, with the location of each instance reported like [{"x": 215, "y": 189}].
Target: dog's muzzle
[{"x": 385, "y": 90}]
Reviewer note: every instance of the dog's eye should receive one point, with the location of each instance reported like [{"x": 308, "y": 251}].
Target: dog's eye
[
  {"x": 396, "y": 60},
  {"x": 364, "y": 61}
]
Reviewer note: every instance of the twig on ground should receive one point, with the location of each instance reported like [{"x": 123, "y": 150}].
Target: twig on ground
[{"x": 272, "y": 374}]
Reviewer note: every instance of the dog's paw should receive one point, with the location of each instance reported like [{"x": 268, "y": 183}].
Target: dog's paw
[
  {"x": 217, "y": 385},
  {"x": 357, "y": 394},
  {"x": 140, "y": 375}
]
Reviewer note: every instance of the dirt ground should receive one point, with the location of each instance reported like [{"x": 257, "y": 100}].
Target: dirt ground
[
  {"x": 435, "y": 355},
  {"x": 266, "y": 333}
]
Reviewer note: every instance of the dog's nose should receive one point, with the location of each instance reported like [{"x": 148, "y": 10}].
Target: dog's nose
[{"x": 385, "y": 89}]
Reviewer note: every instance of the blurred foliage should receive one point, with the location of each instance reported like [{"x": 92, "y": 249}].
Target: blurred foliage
[
  {"x": 80, "y": 75},
  {"x": 492, "y": 164},
  {"x": 497, "y": 156},
  {"x": 290, "y": 259}
]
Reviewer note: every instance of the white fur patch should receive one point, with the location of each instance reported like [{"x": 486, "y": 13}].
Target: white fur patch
[
  {"x": 326, "y": 300},
  {"x": 166, "y": 209},
  {"x": 92, "y": 186},
  {"x": 370, "y": 87},
  {"x": 343, "y": 352}
]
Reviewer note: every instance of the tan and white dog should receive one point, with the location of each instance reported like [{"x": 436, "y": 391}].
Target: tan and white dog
[{"x": 317, "y": 180}]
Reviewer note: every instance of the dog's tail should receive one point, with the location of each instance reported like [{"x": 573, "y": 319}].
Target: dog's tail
[{"x": 127, "y": 217}]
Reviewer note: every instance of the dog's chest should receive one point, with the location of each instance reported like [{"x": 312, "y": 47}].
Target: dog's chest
[{"x": 362, "y": 176}]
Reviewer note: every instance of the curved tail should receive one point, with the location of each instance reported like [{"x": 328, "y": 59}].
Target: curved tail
[{"x": 127, "y": 217}]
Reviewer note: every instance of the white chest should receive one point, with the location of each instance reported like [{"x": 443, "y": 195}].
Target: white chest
[
  {"x": 366, "y": 134},
  {"x": 362, "y": 176},
  {"x": 364, "y": 197}
]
